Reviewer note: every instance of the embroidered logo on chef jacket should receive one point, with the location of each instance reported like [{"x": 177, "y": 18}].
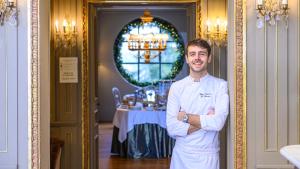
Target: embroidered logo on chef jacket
[{"x": 205, "y": 95}]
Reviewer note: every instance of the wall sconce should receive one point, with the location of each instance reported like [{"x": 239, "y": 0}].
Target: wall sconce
[
  {"x": 271, "y": 11},
  {"x": 216, "y": 32},
  {"x": 65, "y": 33},
  {"x": 8, "y": 12}
]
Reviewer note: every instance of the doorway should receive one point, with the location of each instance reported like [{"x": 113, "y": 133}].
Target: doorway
[{"x": 103, "y": 38}]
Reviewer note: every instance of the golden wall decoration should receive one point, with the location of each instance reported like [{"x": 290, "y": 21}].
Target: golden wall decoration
[{"x": 240, "y": 101}]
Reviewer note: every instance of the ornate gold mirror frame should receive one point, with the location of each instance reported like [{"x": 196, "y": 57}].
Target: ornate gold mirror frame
[
  {"x": 239, "y": 102},
  {"x": 239, "y": 71}
]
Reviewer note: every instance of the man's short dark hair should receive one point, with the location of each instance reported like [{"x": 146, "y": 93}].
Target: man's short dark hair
[{"x": 200, "y": 43}]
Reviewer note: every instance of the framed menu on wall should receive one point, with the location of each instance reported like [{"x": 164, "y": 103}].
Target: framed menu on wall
[{"x": 68, "y": 70}]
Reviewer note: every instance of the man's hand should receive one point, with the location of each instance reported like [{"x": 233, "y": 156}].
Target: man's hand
[
  {"x": 181, "y": 115},
  {"x": 211, "y": 111}
]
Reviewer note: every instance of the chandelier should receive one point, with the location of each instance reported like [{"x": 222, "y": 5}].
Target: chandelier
[
  {"x": 147, "y": 42},
  {"x": 271, "y": 11},
  {"x": 216, "y": 32},
  {"x": 8, "y": 12}
]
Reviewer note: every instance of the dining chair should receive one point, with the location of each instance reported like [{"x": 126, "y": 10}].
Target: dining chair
[{"x": 117, "y": 96}]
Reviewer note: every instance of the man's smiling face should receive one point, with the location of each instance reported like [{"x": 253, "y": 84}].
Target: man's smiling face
[{"x": 197, "y": 58}]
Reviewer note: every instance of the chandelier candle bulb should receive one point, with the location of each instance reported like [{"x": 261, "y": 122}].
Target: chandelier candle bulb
[
  {"x": 65, "y": 24},
  {"x": 56, "y": 26},
  {"x": 74, "y": 26},
  {"x": 218, "y": 24},
  {"x": 225, "y": 26},
  {"x": 65, "y": 33},
  {"x": 259, "y": 2},
  {"x": 10, "y": 3},
  {"x": 284, "y": 2},
  {"x": 208, "y": 25}
]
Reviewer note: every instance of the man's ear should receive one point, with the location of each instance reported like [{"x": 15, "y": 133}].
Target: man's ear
[
  {"x": 209, "y": 58},
  {"x": 186, "y": 59}
]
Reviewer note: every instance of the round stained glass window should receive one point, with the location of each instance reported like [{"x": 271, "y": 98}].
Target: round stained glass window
[{"x": 163, "y": 65}]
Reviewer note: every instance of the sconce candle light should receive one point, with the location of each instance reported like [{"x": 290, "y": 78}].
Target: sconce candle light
[
  {"x": 66, "y": 34},
  {"x": 216, "y": 32},
  {"x": 8, "y": 12},
  {"x": 271, "y": 11}
]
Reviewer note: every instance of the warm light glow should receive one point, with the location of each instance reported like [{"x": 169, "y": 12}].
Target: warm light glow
[
  {"x": 259, "y": 2},
  {"x": 56, "y": 26},
  {"x": 218, "y": 22},
  {"x": 67, "y": 36},
  {"x": 216, "y": 31},
  {"x": 73, "y": 26},
  {"x": 284, "y": 2},
  {"x": 65, "y": 24}
]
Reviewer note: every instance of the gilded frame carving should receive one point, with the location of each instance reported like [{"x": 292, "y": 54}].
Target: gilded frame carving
[
  {"x": 34, "y": 96},
  {"x": 240, "y": 102},
  {"x": 240, "y": 82}
]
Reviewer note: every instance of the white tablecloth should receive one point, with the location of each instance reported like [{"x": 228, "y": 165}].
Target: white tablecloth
[
  {"x": 125, "y": 120},
  {"x": 292, "y": 153}
]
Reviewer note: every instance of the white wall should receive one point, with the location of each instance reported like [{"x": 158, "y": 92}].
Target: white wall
[{"x": 9, "y": 99}]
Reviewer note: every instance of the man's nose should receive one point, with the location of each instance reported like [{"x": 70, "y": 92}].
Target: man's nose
[{"x": 198, "y": 56}]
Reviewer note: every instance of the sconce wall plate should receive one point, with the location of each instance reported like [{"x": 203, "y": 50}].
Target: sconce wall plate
[
  {"x": 271, "y": 11},
  {"x": 65, "y": 35},
  {"x": 8, "y": 12},
  {"x": 216, "y": 32}
]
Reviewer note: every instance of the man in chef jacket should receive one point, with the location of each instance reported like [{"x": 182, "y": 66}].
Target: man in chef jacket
[{"x": 196, "y": 111}]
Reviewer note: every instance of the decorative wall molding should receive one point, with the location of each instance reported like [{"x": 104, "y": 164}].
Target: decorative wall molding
[
  {"x": 240, "y": 75},
  {"x": 261, "y": 166},
  {"x": 3, "y": 149},
  {"x": 35, "y": 87}
]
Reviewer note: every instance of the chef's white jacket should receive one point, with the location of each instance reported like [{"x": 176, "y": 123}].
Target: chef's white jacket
[{"x": 200, "y": 149}]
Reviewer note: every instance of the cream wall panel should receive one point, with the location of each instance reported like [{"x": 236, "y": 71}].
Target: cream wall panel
[
  {"x": 230, "y": 78},
  {"x": 23, "y": 75},
  {"x": 273, "y": 89},
  {"x": 8, "y": 92},
  {"x": 3, "y": 91},
  {"x": 293, "y": 76},
  {"x": 44, "y": 8},
  {"x": 65, "y": 96}
]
